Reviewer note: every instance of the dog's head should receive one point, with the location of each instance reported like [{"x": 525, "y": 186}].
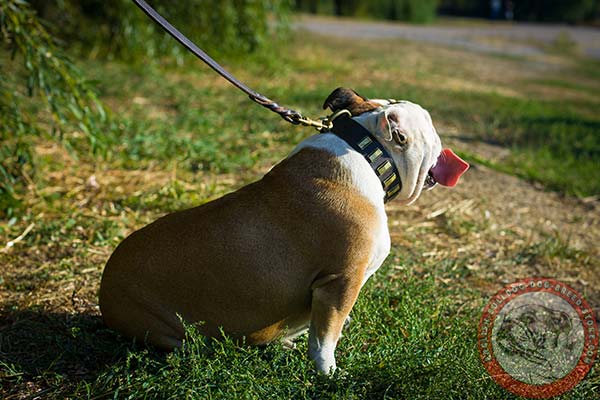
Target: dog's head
[{"x": 405, "y": 129}]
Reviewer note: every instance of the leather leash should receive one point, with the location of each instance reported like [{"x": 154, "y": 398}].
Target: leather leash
[
  {"x": 344, "y": 127},
  {"x": 289, "y": 115}
]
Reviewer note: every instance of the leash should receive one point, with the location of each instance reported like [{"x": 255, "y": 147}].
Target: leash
[
  {"x": 291, "y": 116},
  {"x": 344, "y": 127}
]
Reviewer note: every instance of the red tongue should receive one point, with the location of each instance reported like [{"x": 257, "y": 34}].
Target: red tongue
[{"x": 449, "y": 168}]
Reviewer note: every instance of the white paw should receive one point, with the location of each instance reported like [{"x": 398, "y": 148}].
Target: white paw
[
  {"x": 347, "y": 322},
  {"x": 325, "y": 366},
  {"x": 323, "y": 358},
  {"x": 288, "y": 344}
]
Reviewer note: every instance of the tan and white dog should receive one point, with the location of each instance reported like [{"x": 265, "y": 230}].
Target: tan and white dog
[{"x": 281, "y": 255}]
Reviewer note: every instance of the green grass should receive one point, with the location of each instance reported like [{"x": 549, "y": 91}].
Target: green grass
[
  {"x": 184, "y": 118},
  {"x": 550, "y": 142},
  {"x": 411, "y": 337},
  {"x": 182, "y": 137}
]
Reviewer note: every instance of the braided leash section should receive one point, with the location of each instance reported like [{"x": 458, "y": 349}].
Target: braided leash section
[{"x": 291, "y": 116}]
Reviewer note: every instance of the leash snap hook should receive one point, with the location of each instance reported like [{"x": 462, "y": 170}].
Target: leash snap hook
[{"x": 327, "y": 122}]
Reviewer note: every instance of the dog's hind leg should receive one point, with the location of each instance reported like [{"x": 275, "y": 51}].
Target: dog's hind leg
[
  {"x": 331, "y": 303},
  {"x": 292, "y": 334}
]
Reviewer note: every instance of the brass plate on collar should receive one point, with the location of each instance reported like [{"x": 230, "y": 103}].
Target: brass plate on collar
[
  {"x": 389, "y": 180},
  {"x": 375, "y": 155},
  {"x": 365, "y": 142},
  {"x": 383, "y": 168},
  {"x": 393, "y": 191}
]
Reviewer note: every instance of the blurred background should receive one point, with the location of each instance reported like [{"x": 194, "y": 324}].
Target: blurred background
[{"x": 577, "y": 11}]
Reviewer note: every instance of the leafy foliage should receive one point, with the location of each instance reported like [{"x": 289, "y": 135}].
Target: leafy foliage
[
  {"x": 406, "y": 10},
  {"x": 43, "y": 92},
  {"x": 15, "y": 154},
  {"x": 419, "y": 11},
  {"x": 552, "y": 10},
  {"x": 225, "y": 28},
  {"x": 72, "y": 107}
]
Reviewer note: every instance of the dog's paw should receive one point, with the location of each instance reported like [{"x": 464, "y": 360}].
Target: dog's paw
[
  {"x": 347, "y": 322},
  {"x": 326, "y": 367},
  {"x": 324, "y": 361},
  {"x": 288, "y": 344}
]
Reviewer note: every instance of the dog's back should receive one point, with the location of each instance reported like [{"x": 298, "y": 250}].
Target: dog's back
[{"x": 245, "y": 262}]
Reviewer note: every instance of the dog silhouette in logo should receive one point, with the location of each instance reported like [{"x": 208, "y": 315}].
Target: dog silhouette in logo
[{"x": 538, "y": 339}]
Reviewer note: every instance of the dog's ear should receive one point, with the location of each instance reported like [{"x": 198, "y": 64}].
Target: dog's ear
[
  {"x": 388, "y": 123},
  {"x": 343, "y": 98}
]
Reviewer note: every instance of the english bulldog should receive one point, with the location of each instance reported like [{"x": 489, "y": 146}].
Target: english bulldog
[{"x": 287, "y": 253}]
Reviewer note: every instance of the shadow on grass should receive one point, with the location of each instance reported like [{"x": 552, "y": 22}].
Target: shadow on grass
[
  {"x": 568, "y": 121},
  {"x": 564, "y": 136},
  {"x": 46, "y": 347}
]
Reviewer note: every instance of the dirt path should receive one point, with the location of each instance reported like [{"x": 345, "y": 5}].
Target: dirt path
[{"x": 517, "y": 39}]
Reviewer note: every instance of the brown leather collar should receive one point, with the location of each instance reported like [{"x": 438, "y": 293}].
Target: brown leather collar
[{"x": 363, "y": 141}]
